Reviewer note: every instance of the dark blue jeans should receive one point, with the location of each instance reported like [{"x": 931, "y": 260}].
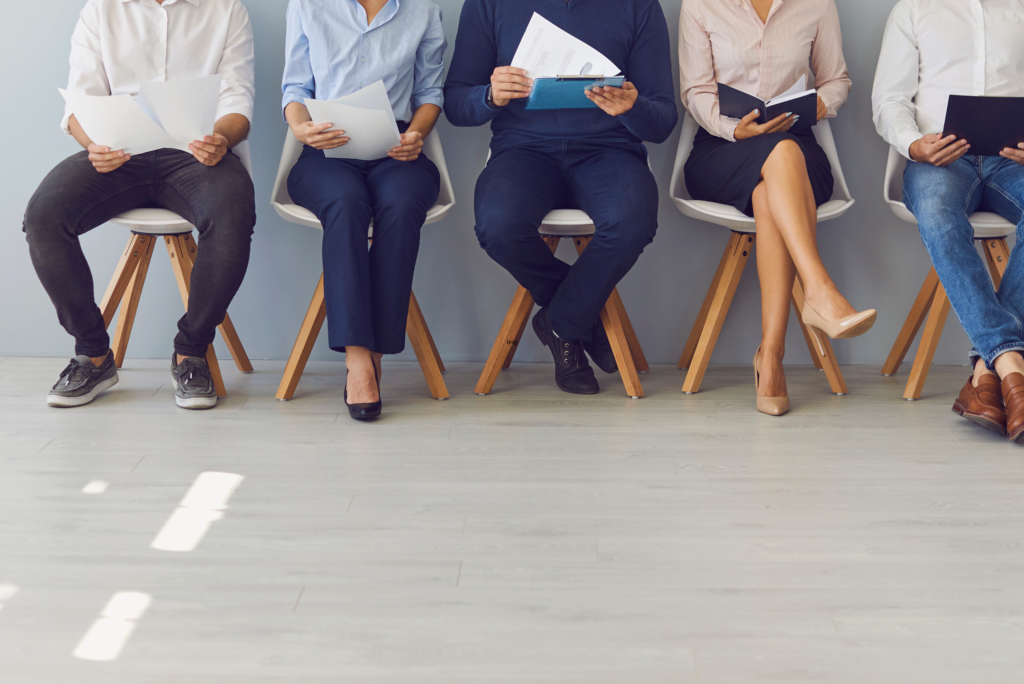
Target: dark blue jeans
[
  {"x": 75, "y": 198},
  {"x": 942, "y": 199},
  {"x": 367, "y": 291},
  {"x": 609, "y": 181}
]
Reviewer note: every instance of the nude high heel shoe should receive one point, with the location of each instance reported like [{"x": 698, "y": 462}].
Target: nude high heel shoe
[
  {"x": 850, "y": 326},
  {"x": 773, "y": 406}
]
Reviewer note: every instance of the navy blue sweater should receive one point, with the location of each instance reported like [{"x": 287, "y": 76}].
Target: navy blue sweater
[{"x": 631, "y": 33}]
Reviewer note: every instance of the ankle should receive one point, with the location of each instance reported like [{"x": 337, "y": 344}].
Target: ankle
[
  {"x": 99, "y": 360},
  {"x": 772, "y": 354},
  {"x": 1009, "y": 363}
]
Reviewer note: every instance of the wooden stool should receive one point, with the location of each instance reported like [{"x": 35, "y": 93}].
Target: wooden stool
[
  {"x": 575, "y": 225},
  {"x": 416, "y": 326},
  {"x": 991, "y": 230}
]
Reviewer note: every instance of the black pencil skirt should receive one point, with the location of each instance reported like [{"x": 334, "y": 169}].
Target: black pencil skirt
[{"x": 727, "y": 172}]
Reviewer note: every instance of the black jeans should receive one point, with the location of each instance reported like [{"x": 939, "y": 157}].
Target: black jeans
[{"x": 75, "y": 198}]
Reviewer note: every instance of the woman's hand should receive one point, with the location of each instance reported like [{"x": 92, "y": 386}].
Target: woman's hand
[
  {"x": 822, "y": 109},
  {"x": 614, "y": 101},
  {"x": 509, "y": 83},
  {"x": 104, "y": 159},
  {"x": 318, "y": 136},
  {"x": 746, "y": 128},
  {"x": 410, "y": 149}
]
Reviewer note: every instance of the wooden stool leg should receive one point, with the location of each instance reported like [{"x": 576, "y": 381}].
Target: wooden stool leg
[
  {"x": 419, "y": 335},
  {"x": 997, "y": 254},
  {"x": 414, "y": 308},
  {"x": 130, "y": 302},
  {"x": 929, "y": 343},
  {"x": 137, "y": 245},
  {"x": 698, "y": 326},
  {"x": 316, "y": 314},
  {"x": 916, "y": 317},
  {"x": 227, "y": 328},
  {"x": 515, "y": 345},
  {"x": 627, "y": 326},
  {"x": 507, "y": 339},
  {"x": 177, "y": 249},
  {"x": 736, "y": 255},
  {"x": 614, "y": 327},
  {"x": 826, "y": 361}
]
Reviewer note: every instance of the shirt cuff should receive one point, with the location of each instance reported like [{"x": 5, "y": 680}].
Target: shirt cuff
[
  {"x": 65, "y": 123},
  {"x": 727, "y": 127},
  {"x": 829, "y": 107},
  {"x": 905, "y": 139},
  {"x": 421, "y": 100}
]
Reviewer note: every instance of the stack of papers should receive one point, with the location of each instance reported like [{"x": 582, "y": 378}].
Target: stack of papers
[
  {"x": 366, "y": 117},
  {"x": 170, "y": 114},
  {"x": 547, "y": 51}
]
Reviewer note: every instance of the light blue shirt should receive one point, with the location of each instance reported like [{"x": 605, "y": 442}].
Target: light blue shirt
[{"x": 330, "y": 52}]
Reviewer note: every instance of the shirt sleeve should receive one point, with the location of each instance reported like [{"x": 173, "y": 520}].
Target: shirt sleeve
[
  {"x": 88, "y": 75},
  {"x": 698, "y": 85},
  {"x": 831, "y": 77},
  {"x": 475, "y": 58},
  {"x": 654, "y": 114},
  {"x": 896, "y": 82},
  {"x": 428, "y": 80},
  {"x": 298, "y": 83},
  {"x": 237, "y": 67}
]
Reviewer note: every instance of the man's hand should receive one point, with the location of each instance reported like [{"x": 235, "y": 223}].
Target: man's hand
[
  {"x": 210, "y": 150},
  {"x": 410, "y": 149},
  {"x": 509, "y": 83},
  {"x": 934, "y": 149},
  {"x": 1016, "y": 155},
  {"x": 746, "y": 128},
  {"x": 614, "y": 101},
  {"x": 318, "y": 136},
  {"x": 822, "y": 109},
  {"x": 104, "y": 160}
]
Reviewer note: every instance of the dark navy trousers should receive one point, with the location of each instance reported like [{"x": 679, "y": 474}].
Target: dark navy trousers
[
  {"x": 609, "y": 181},
  {"x": 367, "y": 290}
]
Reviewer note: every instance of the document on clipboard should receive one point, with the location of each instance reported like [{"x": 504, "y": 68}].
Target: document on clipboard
[
  {"x": 989, "y": 124},
  {"x": 562, "y": 67}
]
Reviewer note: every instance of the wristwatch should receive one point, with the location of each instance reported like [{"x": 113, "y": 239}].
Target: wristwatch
[{"x": 490, "y": 100}]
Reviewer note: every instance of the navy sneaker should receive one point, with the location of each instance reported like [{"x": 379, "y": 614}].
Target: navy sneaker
[
  {"x": 193, "y": 384},
  {"x": 81, "y": 382}
]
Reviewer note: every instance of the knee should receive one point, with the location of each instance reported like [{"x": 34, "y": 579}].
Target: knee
[
  {"x": 496, "y": 232},
  {"x": 45, "y": 219},
  {"x": 787, "y": 154},
  {"x": 234, "y": 212}
]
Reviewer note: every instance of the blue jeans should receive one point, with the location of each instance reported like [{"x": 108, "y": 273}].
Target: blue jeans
[
  {"x": 609, "y": 181},
  {"x": 942, "y": 199},
  {"x": 367, "y": 291}
]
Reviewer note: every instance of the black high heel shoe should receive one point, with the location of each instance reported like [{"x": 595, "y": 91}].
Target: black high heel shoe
[{"x": 364, "y": 411}]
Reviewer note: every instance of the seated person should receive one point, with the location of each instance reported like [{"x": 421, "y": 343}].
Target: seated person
[
  {"x": 930, "y": 52},
  {"x": 334, "y": 49},
  {"x": 117, "y": 45},
  {"x": 591, "y": 159},
  {"x": 777, "y": 175}
]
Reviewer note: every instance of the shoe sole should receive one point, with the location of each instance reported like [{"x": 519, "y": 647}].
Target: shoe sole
[
  {"x": 58, "y": 401},
  {"x": 1018, "y": 436},
  {"x": 858, "y": 329},
  {"x": 982, "y": 421},
  {"x": 543, "y": 336},
  {"x": 195, "y": 403}
]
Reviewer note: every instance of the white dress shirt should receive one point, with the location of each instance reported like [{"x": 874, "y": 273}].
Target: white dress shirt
[
  {"x": 936, "y": 48},
  {"x": 119, "y": 44}
]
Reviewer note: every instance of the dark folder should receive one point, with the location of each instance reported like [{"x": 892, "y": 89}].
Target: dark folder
[
  {"x": 989, "y": 124},
  {"x": 738, "y": 104}
]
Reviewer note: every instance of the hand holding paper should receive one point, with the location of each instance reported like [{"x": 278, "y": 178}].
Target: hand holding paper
[
  {"x": 547, "y": 51},
  {"x": 366, "y": 118}
]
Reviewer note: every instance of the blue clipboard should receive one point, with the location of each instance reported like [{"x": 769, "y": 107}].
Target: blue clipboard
[{"x": 568, "y": 92}]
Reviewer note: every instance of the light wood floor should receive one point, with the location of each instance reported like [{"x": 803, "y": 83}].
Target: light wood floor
[{"x": 528, "y": 536}]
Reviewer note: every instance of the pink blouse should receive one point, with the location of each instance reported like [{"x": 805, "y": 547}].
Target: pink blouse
[{"x": 726, "y": 41}]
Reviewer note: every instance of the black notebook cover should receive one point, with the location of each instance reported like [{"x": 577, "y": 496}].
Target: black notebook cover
[
  {"x": 738, "y": 104},
  {"x": 989, "y": 124}
]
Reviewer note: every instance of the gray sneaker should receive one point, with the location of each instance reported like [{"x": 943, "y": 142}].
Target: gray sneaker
[
  {"x": 81, "y": 382},
  {"x": 193, "y": 384}
]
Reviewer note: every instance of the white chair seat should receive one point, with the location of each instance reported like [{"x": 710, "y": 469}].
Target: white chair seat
[
  {"x": 567, "y": 223},
  {"x": 732, "y": 218}
]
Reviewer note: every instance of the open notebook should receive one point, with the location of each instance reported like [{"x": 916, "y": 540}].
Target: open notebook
[{"x": 797, "y": 99}]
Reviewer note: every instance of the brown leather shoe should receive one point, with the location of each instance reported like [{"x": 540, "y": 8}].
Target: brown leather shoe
[
  {"x": 1013, "y": 397},
  {"x": 983, "y": 405}
]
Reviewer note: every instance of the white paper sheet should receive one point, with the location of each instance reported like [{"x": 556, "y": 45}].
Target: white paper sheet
[
  {"x": 798, "y": 89},
  {"x": 366, "y": 117},
  {"x": 547, "y": 51},
  {"x": 118, "y": 122},
  {"x": 187, "y": 109}
]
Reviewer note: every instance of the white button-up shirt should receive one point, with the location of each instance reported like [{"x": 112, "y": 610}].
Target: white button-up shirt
[
  {"x": 936, "y": 48},
  {"x": 119, "y": 44}
]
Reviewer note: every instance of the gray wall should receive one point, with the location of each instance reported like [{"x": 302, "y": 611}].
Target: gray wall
[{"x": 876, "y": 260}]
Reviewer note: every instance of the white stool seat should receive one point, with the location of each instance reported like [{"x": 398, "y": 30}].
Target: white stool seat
[{"x": 567, "y": 223}]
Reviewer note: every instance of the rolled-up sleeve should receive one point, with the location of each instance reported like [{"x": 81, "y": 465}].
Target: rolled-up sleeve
[
  {"x": 831, "y": 77},
  {"x": 88, "y": 75},
  {"x": 697, "y": 81},
  {"x": 298, "y": 82},
  {"x": 428, "y": 80},
  {"x": 237, "y": 67},
  {"x": 896, "y": 82}
]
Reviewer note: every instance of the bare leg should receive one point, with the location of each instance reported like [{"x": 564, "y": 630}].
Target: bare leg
[
  {"x": 980, "y": 371},
  {"x": 791, "y": 201},
  {"x": 362, "y": 385},
  {"x": 776, "y": 271},
  {"x": 1010, "y": 362}
]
